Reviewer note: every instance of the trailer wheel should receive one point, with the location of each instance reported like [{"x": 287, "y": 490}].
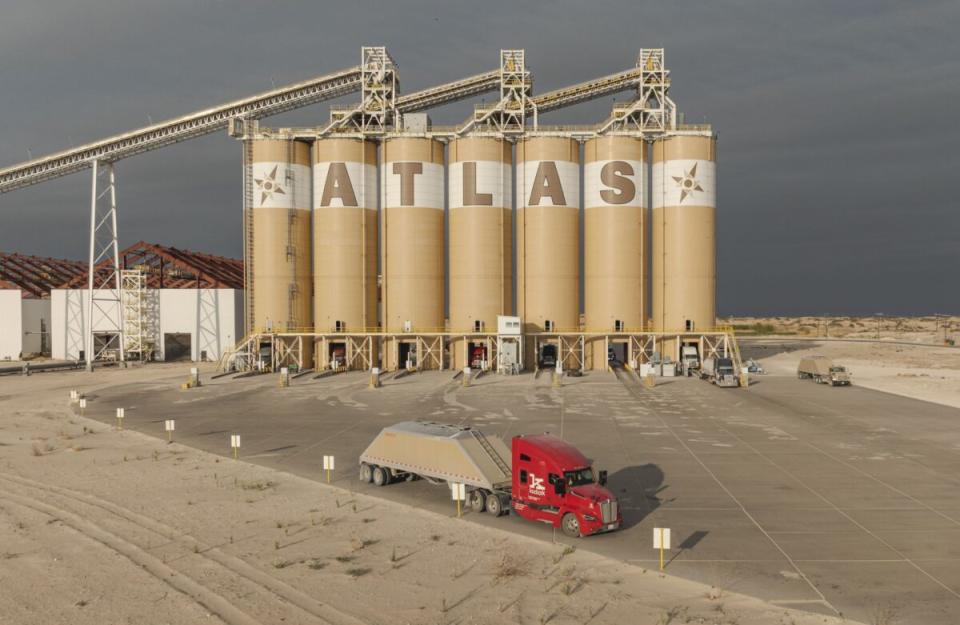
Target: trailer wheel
[
  {"x": 570, "y": 525},
  {"x": 478, "y": 500},
  {"x": 381, "y": 476},
  {"x": 494, "y": 504},
  {"x": 366, "y": 473}
]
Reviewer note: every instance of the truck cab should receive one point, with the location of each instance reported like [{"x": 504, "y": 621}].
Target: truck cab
[
  {"x": 554, "y": 483},
  {"x": 690, "y": 359}
]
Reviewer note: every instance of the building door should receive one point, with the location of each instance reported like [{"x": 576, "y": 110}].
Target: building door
[{"x": 176, "y": 346}]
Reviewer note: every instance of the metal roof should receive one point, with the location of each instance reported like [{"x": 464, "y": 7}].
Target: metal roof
[
  {"x": 165, "y": 268},
  {"x": 171, "y": 268},
  {"x": 36, "y": 275}
]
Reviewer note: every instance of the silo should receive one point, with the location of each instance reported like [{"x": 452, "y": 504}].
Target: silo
[
  {"x": 412, "y": 238},
  {"x": 684, "y": 194},
  {"x": 481, "y": 240},
  {"x": 548, "y": 242},
  {"x": 615, "y": 247},
  {"x": 282, "y": 279},
  {"x": 345, "y": 248}
]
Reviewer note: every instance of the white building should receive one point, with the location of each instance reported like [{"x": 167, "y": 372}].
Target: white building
[
  {"x": 23, "y": 325},
  {"x": 192, "y": 306},
  {"x": 182, "y": 324}
]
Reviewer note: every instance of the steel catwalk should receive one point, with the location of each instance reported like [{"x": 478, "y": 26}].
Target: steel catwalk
[
  {"x": 481, "y": 238},
  {"x": 615, "y": 239}
]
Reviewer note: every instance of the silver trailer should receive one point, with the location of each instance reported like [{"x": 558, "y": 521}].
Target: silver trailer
[
  {"x": 822, "y": 370},
  {"x": 439, "y": 453}
]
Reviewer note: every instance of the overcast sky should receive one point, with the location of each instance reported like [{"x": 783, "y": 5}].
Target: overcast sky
[{"x": 838, "y": 121}]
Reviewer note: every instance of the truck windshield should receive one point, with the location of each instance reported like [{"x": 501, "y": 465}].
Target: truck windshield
[
  {"x": 837, "y": 369},
  {"x": 579, "y": 477}
]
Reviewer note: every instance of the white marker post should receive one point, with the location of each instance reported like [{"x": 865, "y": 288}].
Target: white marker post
[
  {"x": 83, "y": 405},
  {"x": 284, "y": 377},
  {"x": 169, "y": 426},
  {"x": 120, "y": 415},
  {"x": 661, "y": 541},
  {"x": 459, "y": 493},
  {"x": 195, "y": 376},
  {"x": 74, "y": 396},
  {"x": 328, "y": 466},
  {"x": 235, "y": 444}
]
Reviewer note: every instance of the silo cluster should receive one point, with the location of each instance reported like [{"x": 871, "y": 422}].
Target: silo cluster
[{"x": 350, "y": 238}]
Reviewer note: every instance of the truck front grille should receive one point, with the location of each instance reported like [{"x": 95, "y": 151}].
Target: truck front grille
[{"x": 608, "y": 510}]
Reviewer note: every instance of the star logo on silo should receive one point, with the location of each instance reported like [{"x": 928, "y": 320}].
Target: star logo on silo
[
  {"x": 268, "y": 185},
  {"x": 688, "y": 183}
]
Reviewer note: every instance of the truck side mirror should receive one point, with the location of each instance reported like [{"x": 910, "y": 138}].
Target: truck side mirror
[
  {"x": 560, "y": 488},
  {"x": 602, "y": 480}
]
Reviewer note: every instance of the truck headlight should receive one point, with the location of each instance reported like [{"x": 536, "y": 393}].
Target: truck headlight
[{"x": 588, "y": 517}]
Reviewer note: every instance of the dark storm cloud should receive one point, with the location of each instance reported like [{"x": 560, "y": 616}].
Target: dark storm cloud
[{"x": 837, "y": 126}]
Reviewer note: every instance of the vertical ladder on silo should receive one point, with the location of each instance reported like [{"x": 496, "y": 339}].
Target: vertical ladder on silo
[
  {"x": 248, "y": 234},
  {"x": 291, "y": 179}
]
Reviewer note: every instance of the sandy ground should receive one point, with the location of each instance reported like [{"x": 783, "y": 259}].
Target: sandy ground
[
  {"x": 106, "y": 526},
  {"x": 927, "y": 373},
  {"x": 937, "y": 329}
]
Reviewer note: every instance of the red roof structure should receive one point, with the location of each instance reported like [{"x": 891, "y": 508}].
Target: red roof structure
[
  {"x": 36, "y": 275},
  {"x": 172, "y": 268},
  {"x": 165, "y": 268}
]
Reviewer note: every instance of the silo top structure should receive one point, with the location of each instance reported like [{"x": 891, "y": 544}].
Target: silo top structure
[
  {"x": 282, "y": 283},
  {"x": 412, "y": 197},
  {"x": 548, "y": 234},
  {"x": 345, "y": 235},
  {"x": 684, "y": 233},
  {"x": 615, "y": 247}
]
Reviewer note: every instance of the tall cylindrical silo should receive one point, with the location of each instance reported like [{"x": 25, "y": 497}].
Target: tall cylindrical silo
[
  {"x": 344, "y": 247},
  {"x": 481, "y": 240},
  {"x": 615, "y": 247},
  {"x": 412, "y": 239},
  {"x": 684, "y": 194},
  {"x": 548, "y": 240},
  {"x": 282, "y": 280}
]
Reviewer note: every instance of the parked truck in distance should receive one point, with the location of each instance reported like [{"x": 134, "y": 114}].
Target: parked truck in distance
[
  {"x": 541, "y": 477},
  {"x": 822, "y": 370},
  {"x": 719, "y": 371},
  {"x": 689, "y": 359}
]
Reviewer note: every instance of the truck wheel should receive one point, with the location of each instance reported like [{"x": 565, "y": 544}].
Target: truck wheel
[
  {"x": 381, "y": 476},
  {"x": 494, "y": 504},
  {"x": 570, "y": 525},
  {"x": 478, "y": 501},
  {"x": 366, "y": 473}
]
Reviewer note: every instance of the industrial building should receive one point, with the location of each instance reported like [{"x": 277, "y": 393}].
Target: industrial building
[
  {"x": 173, "y": 305},
  {"x": 380, "y": 240},
  {"x": 25, "y": 285}
]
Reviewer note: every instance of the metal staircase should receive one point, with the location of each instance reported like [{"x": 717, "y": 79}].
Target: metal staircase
[{"x": 494, "y": 456}]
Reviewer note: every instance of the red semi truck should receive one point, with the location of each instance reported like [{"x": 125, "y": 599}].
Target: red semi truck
[{"x": 541, "y": 477}]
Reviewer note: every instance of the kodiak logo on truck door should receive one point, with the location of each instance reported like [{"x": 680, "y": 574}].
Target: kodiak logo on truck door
[{"x": 536, "y": 486}]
